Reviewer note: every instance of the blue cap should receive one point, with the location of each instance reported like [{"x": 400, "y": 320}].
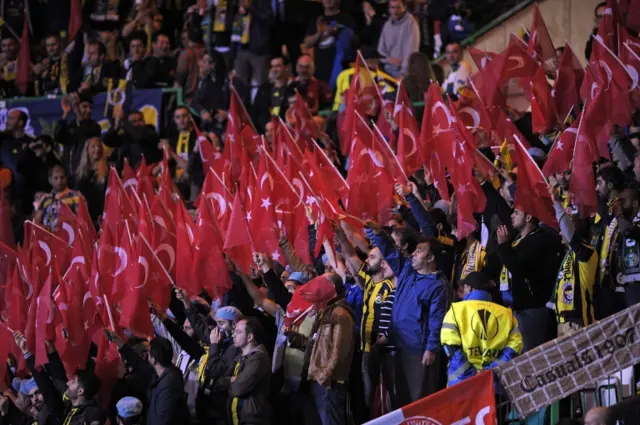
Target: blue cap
[
  {"x": 28, "y": 385},
  {"x": 325, "y": 258},
  {"x": 129, "y": 407},
  {"x": 228, "y": 313},
  {"x": 298, "y": 277}
]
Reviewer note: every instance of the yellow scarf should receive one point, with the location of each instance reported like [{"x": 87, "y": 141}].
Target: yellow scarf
[
  {"x": 473, "y": 260},
  {"x": 505, "y": 274},
  {"x": 220, "y": 16},
  {"x": 234, "y": 403},
  {"x": 610, "y": 234}
]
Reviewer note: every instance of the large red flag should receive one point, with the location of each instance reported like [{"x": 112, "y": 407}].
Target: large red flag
[
  {"x": 561, "y": 152},
  {"x": 45, "y": 328},
  {"x": 532, "y": 194},
  {"x": 238, "y": 241},
  {"x": 186, "y": 235},
  {"x": 134, "y": 307},
  {"x": 540, "y": 45},
  {"x": 543, "y": 111},
  {"x": 566, "y": 92},
  {"x": 23, "y": 73},
  {"x": 582, "y": 186},
  {"x": 210, "y": 266}
]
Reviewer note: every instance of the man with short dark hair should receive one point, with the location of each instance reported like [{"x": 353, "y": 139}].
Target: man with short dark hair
[
  {"x": 166, "y": 403},
  {"x": 81, "y": 390},
  {"x": 419, "y": 307},
  {"x": 53, "y": 71},
  {"x": 459, "y": 70},
  {"x": 161, "y": 65},
  {"x": 271, "y": 99},
  {"x": 249, "y": 376},
  {"x": 9, "y": 48},
  {"x": 526, "y": 285},
  {"x": 73, "y": 135},
  {"x": 132, "y": 139},
  {"x": 135, "y": 68},
  {"x": 99, "y": 71},
  {"x": 49, "y": 207}
]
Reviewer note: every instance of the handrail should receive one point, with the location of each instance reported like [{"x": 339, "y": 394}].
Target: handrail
[{"x": 176, "y": 90}]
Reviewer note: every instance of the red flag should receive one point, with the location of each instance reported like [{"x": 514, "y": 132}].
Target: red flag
[
  {"x": 75, "y": 19},
  {"x": 6, "y": 228},
  {"x": 134, "y": 308},
  {"x": 124, "y": 264},
  {"x": 49, "y": 245},
  {"x": 566, "y": 92},
  {"x": 543, "y": 111},
  {"x": 117, "y": 205},
  {"x": 84, "y": 220},
  {"x": 66, "y": 224},
  {"x": 582, "y": 185},
  {"x": 469, "y": 196},
  {"x": 608, "y": 29},
  {"x": 210, "y": 265},
  {"x": 474, "y": 399},
  {"x": 561, "y": 152},
  {"x": 6, "y": 348},
  {"x": 23, "y": 72},
  {"x": 631, "y": 60},
  {"x": 408, "y": 153},
  {"x": 297, "y": 309},
  {"x": 17, "y": 303},
  {"x": 540, "y": 45},
  {"x": 238, "y": 241},
  {"x": 482, "y": 58},
  {"x": 371, "y": 191},
  {"x": 186, "y": 234},
  {"x": 45, "y": 328},
  {"x": 532, "y": 194}
]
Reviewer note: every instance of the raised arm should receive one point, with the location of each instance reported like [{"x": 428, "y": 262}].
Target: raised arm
[{"x": 390, "y": 252}]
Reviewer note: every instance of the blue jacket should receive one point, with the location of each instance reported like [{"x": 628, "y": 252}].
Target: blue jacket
[{"x": 420, "y": 301}]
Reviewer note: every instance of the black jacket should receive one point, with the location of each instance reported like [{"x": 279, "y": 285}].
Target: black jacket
[
  {"x": 133, "y": 143},
  {"x": 261, "y": 109},
  {"x": 533, "y": 264},
  {"x": 166, "y": 399},
  {"x": 260, "y": 27}
]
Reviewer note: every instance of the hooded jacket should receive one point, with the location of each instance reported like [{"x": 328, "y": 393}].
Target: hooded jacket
[{"x": 420, "y": 301}]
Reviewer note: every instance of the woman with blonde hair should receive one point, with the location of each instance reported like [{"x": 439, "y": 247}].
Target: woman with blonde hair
[{"x": 91, "y": 176}]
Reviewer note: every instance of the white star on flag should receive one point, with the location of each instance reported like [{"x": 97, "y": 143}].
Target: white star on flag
[
  {"x": 462, "y": 188},
  {"x": 310, "y": 200},
  {"x": 248, "y": 216},
  {"x": 275, "y": 255},
  {"x": 266, "y": 203},
  {"x": 559, "y": 145}
]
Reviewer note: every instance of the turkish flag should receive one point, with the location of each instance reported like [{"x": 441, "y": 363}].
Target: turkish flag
[
  {"x": 543, "y": 111},
  {"x": 566, "y": 92},
  {"x": 582, "y": 186},
  {"x": 482, "y": 58},
  {"x": 469, "y": 196},
  {"x": 540, "y": 45},
  {"x": 631, "y": 60},
  {"x": 532, "y": 193},
  {"x": 209, "y": 263},
  {"x": 45, "y": 314},
  {"x": 124, "y": 264},
  {"x": 23, "y": 72},
  {"x": 46, "y": 243},
  {"x": 186, "y": 235},
  {"x": 561, "y": 152},
  {"x": 135, "y": 306},
  {"x": 238, "y": 241},
  {"x": 6, "y": 228}
]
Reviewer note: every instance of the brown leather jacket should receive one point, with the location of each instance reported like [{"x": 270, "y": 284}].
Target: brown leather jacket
[{"x": 332, "y": 351}]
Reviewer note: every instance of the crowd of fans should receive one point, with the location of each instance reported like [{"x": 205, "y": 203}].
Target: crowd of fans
[{"x": 309, "y": 343}]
